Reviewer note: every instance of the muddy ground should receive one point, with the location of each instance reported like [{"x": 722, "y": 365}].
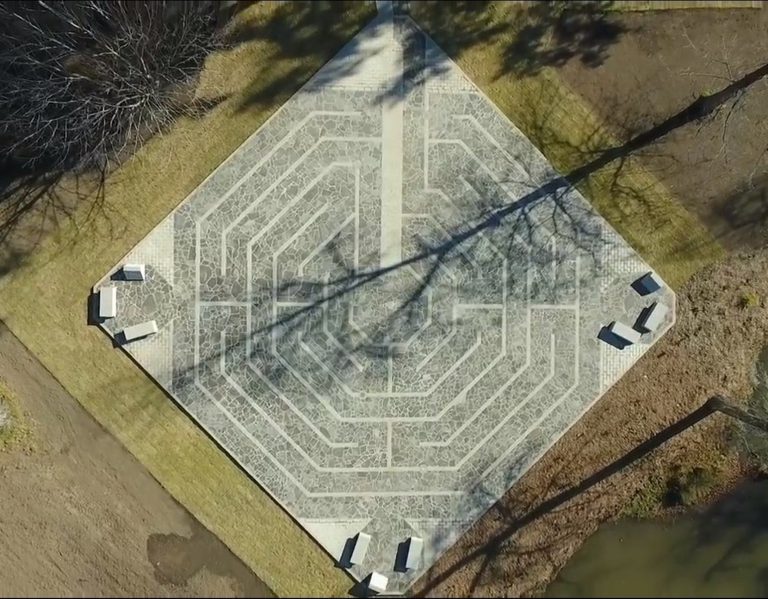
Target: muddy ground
[{"x": 80, "y": 516}]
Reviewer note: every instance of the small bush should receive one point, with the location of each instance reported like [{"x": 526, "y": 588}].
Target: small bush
[
  {"x": 749, "y": 299},
  {"x": 687, "y": 487},
  {"x": 647, "y": 501},
  {"x": 13, "y": 431},
  {"x": 684, "y": 486}
]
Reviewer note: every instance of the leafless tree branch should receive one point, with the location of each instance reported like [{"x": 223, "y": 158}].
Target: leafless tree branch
[{"x": 83, "y": 82}]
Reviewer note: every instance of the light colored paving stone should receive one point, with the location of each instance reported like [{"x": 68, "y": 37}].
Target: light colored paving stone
[
  {"x": 5, "y": 416},
  {"x": 326, "y": 316}
]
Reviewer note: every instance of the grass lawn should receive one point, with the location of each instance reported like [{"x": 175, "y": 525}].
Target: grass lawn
[
  {"x": 43, "y": 300},
  {"x": 569, "y": 134}
]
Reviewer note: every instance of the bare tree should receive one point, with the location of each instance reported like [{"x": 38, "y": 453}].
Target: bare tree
[
  {"x": 83, "y": 81},
  {"x": 742, "y": 148}
]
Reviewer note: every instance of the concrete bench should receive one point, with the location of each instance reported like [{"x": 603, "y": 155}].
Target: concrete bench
[
  {"x": 138, "y": 331},
  {"x": 108, "y": 302},
  {"x": 650, "y": 318},
  {"x": 624, "y": 332},
  {"x": 377, "y": 582},
  {"x": 134, "y": 272},
  {"x": 413, "y": 555},
  {"x": 648, "y": 283},
  {"x": 362, "y": 540}
]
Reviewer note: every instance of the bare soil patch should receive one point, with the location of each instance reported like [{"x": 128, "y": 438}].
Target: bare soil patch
[
  {"x": 80, "y": 516},
  {"x": 661, "y": 63},
  {"x": 712, "y": 349}
]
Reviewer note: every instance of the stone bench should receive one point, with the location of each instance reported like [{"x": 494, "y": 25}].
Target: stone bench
[
  {"x": 108, "y": 302},
  {"x": 377, "y": 582},
  {"x": 413, "y": 554},
  {"x": 647, "y": 284},
  {"x": 362, "y": 540},
  {"x": 650, "y": 318},
  {"x": 624, "y": 332},
  {"x": 134, "y": 272},
  {"x": 137, "y": 331}
]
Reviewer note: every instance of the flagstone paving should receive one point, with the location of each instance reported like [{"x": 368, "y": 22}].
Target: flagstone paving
[{"x": 351, "y": 309}]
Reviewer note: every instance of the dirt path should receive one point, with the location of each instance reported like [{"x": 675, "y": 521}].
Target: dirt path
[{"x": 79, "y": 516}]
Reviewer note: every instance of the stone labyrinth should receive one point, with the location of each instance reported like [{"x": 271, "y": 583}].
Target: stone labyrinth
[{"x": 340, "y": 308}]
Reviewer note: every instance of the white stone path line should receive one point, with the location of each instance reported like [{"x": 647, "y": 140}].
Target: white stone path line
[
  {"x": 255, "y": 203},
  {"x": 459, "y": 396},
  {"x": 454, "y": 468},
  {"x": 295, "y": 129},
  {"x": 558, "y": 403},
  {"x": 392, "y": 156},
  {"x": 287, "y": 473}
]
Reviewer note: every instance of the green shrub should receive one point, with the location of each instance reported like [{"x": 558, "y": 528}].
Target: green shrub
[
  {"x": 647, "y": 500},
  {"x": 13, "y": 429},
  {"x": 750, "y": 299},
  {"x": 688, "y": 486}
]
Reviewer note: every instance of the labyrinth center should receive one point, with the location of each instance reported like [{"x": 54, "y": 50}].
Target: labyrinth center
[{"x": 341, "y": 310}]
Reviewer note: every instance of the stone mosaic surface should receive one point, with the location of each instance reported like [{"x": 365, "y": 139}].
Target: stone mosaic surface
[{"x": 376, "y": 309}]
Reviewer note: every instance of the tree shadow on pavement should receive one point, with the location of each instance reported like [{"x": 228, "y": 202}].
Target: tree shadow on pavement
[
  {"x": 509, "y": 224},
  {"x": 503, "y": 220},
  {"x": 294, "y": 30},
  {"x": 518, "y": 218}
]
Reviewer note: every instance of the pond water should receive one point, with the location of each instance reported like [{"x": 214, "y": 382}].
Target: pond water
[
  {"x": 716, "y": 552},
  {"x": 721, "y": 551}
]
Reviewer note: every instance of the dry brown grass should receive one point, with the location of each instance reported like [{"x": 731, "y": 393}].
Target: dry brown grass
[
  {"x": 712, "y": 349},
  {"x": 44, "y": 299}
]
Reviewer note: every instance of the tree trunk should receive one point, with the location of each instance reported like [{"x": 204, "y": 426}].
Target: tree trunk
[{"x": 702, "y": 107}]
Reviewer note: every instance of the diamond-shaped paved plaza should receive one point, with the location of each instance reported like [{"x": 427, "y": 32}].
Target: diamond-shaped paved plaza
[{"x": 343, "y": 308}]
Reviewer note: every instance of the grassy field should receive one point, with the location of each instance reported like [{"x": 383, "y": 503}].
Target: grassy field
[
  {"x": 44, "y": 298},
  {"x": 569, "y": 134}
]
